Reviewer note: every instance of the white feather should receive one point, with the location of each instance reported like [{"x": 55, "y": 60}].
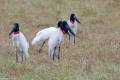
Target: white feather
[
  {"x": 54, "y": 36},
  {"x": 55, "y": 40},
  {"x": 20, "y": 42},
  {"x": 73, "y": 27},
  {"x": 43, "y": 35}
]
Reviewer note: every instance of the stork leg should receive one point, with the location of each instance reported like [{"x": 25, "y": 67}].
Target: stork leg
[
  {"x": 53, "y": 57},
  {"x": 25, "y": 57},
  {"x": 58, "y": 54},
  {"x": 54, "y": 54},
  {"x": 16, "y": 55},
  {"x": 69, "y": 38},
  {"x": 74, "y": 40},
  {"x": 22, "y": 55},
  {"x": 41, "y": 47}
]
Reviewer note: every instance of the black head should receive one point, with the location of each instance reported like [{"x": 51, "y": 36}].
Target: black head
[
  {"x": 73, "y": 18},
  {"x": 66, "y": 28},
  {"x": 16, "y": 25},
  {"x": 15, "y": 28},
  {"x": 59, "y": 24}
]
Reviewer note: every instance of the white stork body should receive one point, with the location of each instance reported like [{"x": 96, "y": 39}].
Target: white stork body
[
  {"x": 72, "y": 22},
  {"x": 55, "y": 37},
  {"x": 43, "y": 35},
  {"x": 73, "y": 27},
  {"x": 20, "y": 42},
  {"x": 54, "y": 43}
]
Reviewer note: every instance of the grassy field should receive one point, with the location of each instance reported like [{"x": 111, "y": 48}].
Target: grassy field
[{"x": 95, "y": 56}]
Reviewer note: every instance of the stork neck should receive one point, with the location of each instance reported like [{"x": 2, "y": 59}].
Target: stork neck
[
  {"x": 72, "y": 21},
  {"x": 62, "y": 31},
  {"x": 16, "y": 32}
]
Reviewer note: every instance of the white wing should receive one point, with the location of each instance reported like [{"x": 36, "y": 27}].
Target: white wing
[
  {"x": 23, "y": 41},
  {"x": 20, "y": 41},
  {"x": 43, "y": 35}
]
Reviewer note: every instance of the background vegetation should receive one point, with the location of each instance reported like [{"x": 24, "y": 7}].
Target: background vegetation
[{"x": 95, "y": 56}]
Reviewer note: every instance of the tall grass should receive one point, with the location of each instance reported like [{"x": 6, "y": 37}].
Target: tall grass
[{"x": 95, "y": 56}]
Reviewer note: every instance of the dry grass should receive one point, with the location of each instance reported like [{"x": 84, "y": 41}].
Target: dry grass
[{"x": 94, "y": 57}]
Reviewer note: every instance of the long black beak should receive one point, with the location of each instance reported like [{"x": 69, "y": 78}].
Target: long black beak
[
  {"x": 70, "y": 31},
  {"x": 77, "y": 20}
]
